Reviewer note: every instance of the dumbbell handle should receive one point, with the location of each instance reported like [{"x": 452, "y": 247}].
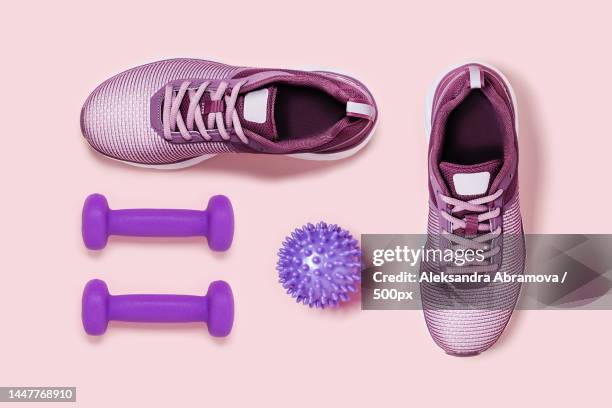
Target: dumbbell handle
[
  {"x": 158, "y": 308},
  {"x": 158, "y": 223}
]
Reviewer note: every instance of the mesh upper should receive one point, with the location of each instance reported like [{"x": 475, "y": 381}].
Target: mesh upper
[
  {"x": 473, "y": 331},
  {"x": 115, "y": 117}
]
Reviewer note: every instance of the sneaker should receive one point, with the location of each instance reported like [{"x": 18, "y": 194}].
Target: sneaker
[
  {"x": 176, "y": 113},
  {"x": 473, "y": 203}
]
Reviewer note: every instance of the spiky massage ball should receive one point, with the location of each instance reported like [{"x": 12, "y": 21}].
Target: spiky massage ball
[{"x": 319, "y": 265}]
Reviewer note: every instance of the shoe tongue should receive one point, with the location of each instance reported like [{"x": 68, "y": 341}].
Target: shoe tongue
[
  {"x": 256, "y": 111},
  {"x": 469, "y": 181}
]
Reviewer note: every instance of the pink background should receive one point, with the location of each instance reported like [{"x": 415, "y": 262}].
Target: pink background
[{"x": 55, "y": 53}]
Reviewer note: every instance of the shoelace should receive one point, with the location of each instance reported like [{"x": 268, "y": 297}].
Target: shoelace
[
  {"x": 172, "y": 117},
  {"x": 480, "y": 240}
]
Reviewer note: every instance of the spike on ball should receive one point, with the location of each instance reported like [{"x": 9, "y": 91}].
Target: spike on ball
[{"x": 319, "y": 265}]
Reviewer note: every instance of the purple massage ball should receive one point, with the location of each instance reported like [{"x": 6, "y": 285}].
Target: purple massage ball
[{"x": 320, "y": 265}]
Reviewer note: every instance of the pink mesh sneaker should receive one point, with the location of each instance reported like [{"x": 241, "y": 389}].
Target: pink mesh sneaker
[
  {"x": 176, "y": 113},
  {"x": 472, "y": 124}
]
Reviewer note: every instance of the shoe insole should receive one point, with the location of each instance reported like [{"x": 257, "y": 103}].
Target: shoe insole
[
  {"x": 302, "y": 112},
  {"x": 473, "y": 133}
]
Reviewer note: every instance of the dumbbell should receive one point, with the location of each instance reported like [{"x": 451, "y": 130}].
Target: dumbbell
[
  {"x": 216, "y": 222},
  {"x": 216, "y": 308}
]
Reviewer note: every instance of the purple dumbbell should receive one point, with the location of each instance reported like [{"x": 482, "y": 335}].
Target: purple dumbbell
[
  {"x": 216, "y": 308},
  {"x": 216, "y": 222}
]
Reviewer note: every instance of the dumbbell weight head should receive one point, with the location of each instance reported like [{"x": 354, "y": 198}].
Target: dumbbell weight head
[
  {"x": 220, "y": 309},
  {"x": 95, "y": 307},
  {"x": 95, "y": 221},
  {"x": 220, "y": 223}
]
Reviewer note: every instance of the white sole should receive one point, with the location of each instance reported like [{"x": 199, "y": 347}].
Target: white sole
[
  {"x": 434, "y": 87},
  {"x": 302, "y": 156},
  {"x": 172, "y": 166}
]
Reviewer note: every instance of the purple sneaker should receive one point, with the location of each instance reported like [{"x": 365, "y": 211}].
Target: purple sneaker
[
  {"x": 473, "y": 188},
  {"x": 176, "y": 113}
]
